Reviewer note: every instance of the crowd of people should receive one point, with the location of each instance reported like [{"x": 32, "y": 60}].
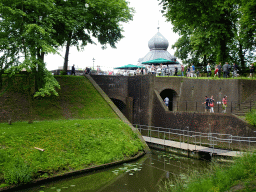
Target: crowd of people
[
  {"x": 209, "y": 104},
  {"x": 160, "y": 70},
  {"x": 219, "y": 70},
  {"x": 227, "y": 70}
]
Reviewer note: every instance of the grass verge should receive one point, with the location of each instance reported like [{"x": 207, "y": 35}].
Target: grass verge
[
  {"x": 239, "y": 176},
  {"x": 69, "y": 145},
  {"x": 251, "y": 117}
]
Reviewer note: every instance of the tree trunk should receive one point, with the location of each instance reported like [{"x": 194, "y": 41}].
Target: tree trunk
[
  {"x": 1, "y": 79},
  {"x": 65, "y": 66},
  {"x": 241, "y": 55},
  {"x": 204, "y": 61},
  {"x": 30, "y": 99}
]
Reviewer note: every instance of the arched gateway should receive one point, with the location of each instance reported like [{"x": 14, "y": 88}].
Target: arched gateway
[{"x": 172, "y": 95}]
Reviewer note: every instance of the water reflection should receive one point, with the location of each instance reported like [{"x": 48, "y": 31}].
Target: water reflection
[{"x": 146, "y": 174}]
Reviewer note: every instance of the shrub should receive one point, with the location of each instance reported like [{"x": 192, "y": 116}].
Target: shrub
[
  {"x": 16, "y": 172},
  {"x": 251, "y": 117}
]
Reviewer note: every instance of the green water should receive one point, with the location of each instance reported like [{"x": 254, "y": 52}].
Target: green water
[{"x": 146, "y": 174}]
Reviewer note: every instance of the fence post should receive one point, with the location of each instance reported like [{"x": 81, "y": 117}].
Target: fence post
[{"x": 250, "y": 105}]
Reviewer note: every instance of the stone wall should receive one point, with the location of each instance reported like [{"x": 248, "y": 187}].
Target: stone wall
[
  {"x": 148, "y": 109},
  {"x": 114, "y": 86},
  {"x": 201, "y": 122},
  {"x": 191, "y": 92}
]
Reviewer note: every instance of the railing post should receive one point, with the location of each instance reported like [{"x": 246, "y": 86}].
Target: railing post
[
  {"x": 249, "y": 144},
  {"x": 200, "y": 139}
]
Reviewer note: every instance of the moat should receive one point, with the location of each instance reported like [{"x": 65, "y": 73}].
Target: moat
[{"x": 145, "y": 174}]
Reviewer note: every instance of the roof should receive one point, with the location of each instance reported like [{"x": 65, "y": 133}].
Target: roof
[{"x": 158, "y": 45}]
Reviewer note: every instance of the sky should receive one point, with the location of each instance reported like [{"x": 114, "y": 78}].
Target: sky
[{"x": 133, "y": 46}]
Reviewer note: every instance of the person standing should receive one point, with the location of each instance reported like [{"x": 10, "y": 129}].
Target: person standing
[
  {"x": 251, "y": 71},
  {"x": 211, "y": 105},
  {"x": 188, "y": 71},
  {"x": 219, "y": 69},
  {"x": 207, "y": 104},
  {"x": 176, "y": 71},
  {"x": 193, "y": 69},
  {"x": 216, "y": 70},
  {"x": 182, "y": 70},
  {"x": 224, "y": 103},
  {"x": 235, "y": 70},
  {"x": 73, "y": 71},
  {"x": 225, "y": 70},
  {"x": 166, "y": 101},
  {"x": 208, "y": 69}
]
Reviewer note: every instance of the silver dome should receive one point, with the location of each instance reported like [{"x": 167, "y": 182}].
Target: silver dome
[{"x": 158, "y": 42}]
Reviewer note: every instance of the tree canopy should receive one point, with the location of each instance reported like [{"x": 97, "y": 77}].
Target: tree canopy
[
  {"x": 214, "y": 30},
  {"x": 30, "y": 29},
  {"x": 77, "y": 21}
]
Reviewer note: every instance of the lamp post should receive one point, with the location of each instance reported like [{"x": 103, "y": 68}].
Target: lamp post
[{"x": 93, "y": 63}]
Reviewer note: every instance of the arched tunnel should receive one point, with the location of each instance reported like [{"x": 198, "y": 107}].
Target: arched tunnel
[
  {"x": 171, "y": 94},
  {"x": 120, "y": 104}
]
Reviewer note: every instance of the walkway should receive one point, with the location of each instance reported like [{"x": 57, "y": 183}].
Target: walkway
[{"x": 191, "y": 147}]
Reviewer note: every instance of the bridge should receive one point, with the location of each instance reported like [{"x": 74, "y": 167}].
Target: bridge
[{"x": 196, "y": 144}]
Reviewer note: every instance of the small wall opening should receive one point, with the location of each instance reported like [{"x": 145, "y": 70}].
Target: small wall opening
[{"x": 172, "y": 95}]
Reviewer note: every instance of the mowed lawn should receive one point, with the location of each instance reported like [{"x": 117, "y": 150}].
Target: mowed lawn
[{"x": 76, "y": 130}]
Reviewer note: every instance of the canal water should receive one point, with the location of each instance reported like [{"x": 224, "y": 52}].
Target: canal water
[{"x": 145, "y": 174}]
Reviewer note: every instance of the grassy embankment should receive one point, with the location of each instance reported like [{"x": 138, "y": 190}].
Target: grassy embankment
[
  {"x": 84, "y": 132},
  {"x": 239, "y": 176},
  {"x": 251, "y": 117}
]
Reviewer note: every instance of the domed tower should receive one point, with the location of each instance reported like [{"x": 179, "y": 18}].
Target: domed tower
[
  {"x": 158, "y": 46},
  {"x": 158, "y": 42}
]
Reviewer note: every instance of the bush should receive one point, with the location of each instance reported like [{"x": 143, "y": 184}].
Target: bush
[
  {"x": 17, "y": 172},
  {"x": 251, "y": 117}
]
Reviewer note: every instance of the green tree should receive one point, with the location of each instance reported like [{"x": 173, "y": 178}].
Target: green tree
[
  {"x": 209, "y": 24},
  {"x": 78, "y": 21},
  {"x": 26, "y": 28}
]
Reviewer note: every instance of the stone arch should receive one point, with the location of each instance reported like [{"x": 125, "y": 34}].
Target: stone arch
[
  {"x": 120, "y": 104},
  {"x": 172, "y": 95}
]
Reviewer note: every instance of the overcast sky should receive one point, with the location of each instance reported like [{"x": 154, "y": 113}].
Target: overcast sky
[{"x": 132, "y": 47}]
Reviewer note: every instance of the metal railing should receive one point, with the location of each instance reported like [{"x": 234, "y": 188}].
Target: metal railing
[
  {"x": 197, "y": 106},
  {"x": 213, "y": 140}
]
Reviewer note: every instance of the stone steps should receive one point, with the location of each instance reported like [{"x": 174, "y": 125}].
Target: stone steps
[{"x": 246, "y": 105}]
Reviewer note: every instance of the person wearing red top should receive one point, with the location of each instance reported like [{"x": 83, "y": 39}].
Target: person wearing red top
[{"x": 224, "y": 103}]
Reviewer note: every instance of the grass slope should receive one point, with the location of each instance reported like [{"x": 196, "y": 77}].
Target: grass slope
[
  {"x": 69, "y": 145},
  {"x": 77, "y": 130},
  {"x": 77, "y": 99}
]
